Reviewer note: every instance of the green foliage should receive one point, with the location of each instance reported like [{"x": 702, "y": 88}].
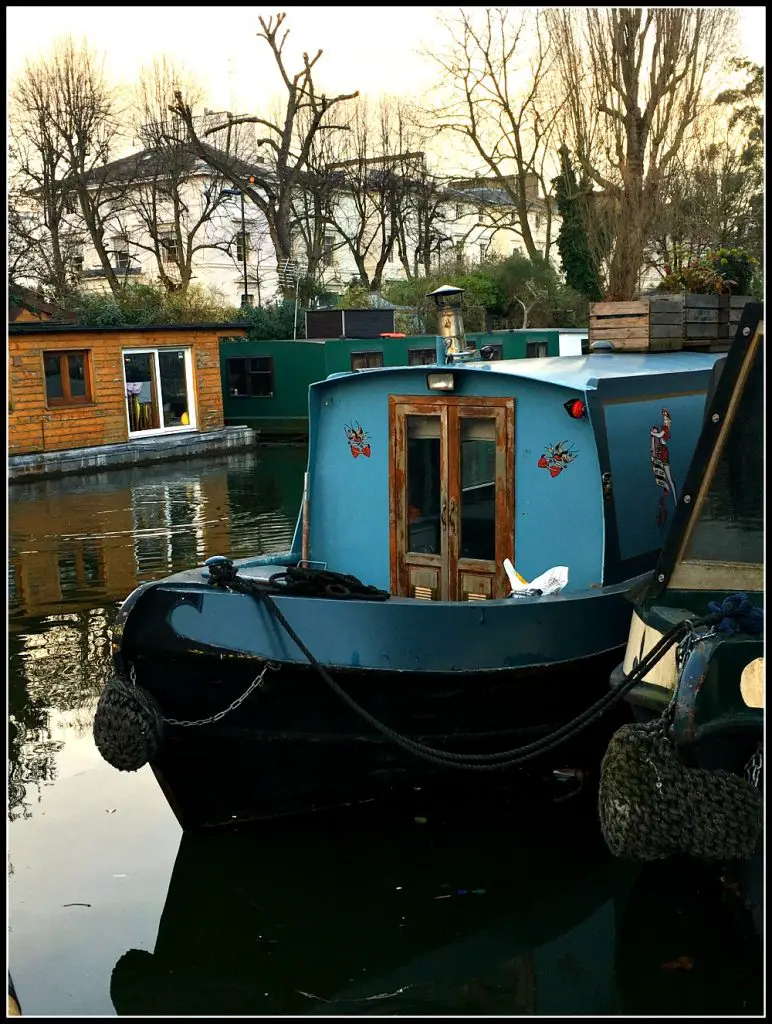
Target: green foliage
[
  {"x": 579, "y": 261},
  {"x": 480, "y": 294},
  {"x": 356, "y": 296},
  {"x": 735, "y": 266},
  {"x": 273, "y": 321},
  {"x": 140, "y": 305},
  {"x": 720, "y": 272},
  {"x": 497, "y": 287}
]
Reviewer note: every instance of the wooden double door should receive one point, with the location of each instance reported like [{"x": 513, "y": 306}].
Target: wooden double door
[{"x": 451, "y": 493}]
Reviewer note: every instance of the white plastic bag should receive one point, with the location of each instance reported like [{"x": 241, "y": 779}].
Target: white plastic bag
[{"x": 550, "y": 582}]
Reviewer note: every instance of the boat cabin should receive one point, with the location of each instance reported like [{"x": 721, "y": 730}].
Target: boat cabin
[
  {"x": 265, "y": 383},
  {"x": 716, "y": 544},
  {"x": 422, "y": 480}
]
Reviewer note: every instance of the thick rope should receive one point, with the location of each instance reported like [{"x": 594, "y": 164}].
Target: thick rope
[
  {"x": 128, "y": 725},
  {"x": 652, "y": 806},
  {"x": 738, "y": 615},
  {"x": 482, "y": 762}
]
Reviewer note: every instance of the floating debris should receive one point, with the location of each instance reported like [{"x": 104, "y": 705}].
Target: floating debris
[{"x": 681, "y": 963}]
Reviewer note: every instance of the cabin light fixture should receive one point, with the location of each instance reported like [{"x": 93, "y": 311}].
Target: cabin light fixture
[
  {"x": 440, "y": 381},
  {"x": 575, "y": 408}
]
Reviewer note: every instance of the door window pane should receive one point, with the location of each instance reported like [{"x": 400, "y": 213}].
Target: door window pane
[
  {"x": 140, "y": 391},
  {"x": 478, "y": 489},
  {"x": 174, "y": 388},
  {"x": 424, "y": 492}
]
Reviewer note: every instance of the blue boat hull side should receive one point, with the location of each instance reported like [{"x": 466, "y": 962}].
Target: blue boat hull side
[
  {"x": 294, "y": 747},
  {"x": 398, "y": 635}
]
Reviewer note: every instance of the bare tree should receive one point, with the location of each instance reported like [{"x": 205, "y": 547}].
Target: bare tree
[
  {"x": 85, "y": 125},
  {"x": 167, "y": 201},
  {"x": 498, "y": 65},
  {"x": 633, "y": 81},
  {"x": 40, "y": 234},
  {"x": 287, "y": 139},
  {"x": 372, "y": 181}
]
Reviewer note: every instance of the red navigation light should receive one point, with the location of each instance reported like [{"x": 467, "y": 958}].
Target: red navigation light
[{"x": 575, "y": 408}]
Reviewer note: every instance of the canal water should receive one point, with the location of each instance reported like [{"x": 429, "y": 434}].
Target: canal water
[{"x": 113, "y": 911}]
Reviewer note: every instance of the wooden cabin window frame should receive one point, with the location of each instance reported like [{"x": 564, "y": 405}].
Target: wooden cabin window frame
[
  {"x": 367, "y": 355},
  {"x": 67, "y": 399},
  {"x": 248, "y": 373}
]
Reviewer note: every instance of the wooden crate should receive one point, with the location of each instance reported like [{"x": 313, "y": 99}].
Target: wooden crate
[
  {"x": 641, "y": 325},
  {"x": 736, "y": 307}
]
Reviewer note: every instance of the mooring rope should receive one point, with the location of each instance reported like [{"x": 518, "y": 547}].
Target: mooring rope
[{"x": 500, "y": 760}]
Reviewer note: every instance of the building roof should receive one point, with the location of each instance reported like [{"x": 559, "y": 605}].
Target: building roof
[
  {"x": 48, "y": 327},
  {"x": 150, "y": 163},
  {"x": 21, "y": 298}
]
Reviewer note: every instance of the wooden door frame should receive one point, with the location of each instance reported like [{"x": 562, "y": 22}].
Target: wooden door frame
[{"x": 449, "y": 472}]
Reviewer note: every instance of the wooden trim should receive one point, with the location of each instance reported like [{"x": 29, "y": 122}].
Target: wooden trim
[
  {"x": 699, "y": 575},
  {"x": 617, "y": 308},
  {"x": 451, "y": 411}
]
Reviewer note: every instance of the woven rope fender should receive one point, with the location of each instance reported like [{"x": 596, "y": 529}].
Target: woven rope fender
[
  {"x": 652, "y": 806},
  {"x": 128, "y": 726}
]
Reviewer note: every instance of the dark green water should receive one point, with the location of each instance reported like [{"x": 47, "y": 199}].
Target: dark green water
[{"x": 113, "y": 911}]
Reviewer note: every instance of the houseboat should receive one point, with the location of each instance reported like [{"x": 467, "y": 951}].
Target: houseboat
[
  {"x": 265, "y": 383},
  {"x": 706, "y": 692},
  {"x": 454, "y": 593}
]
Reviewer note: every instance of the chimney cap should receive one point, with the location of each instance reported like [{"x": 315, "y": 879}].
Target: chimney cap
[{"x": 445, "y": 291}]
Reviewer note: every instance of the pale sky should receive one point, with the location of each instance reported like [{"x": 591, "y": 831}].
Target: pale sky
[{"x": 372, "y": 49}]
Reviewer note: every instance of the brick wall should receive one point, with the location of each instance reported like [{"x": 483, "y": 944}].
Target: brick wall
[{"x": 34, "y": 427}]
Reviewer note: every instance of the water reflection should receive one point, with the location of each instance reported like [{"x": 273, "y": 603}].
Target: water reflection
[
  {"x": 79, "y": 545},
  {"x": 82, "y": 541},
  {"x": 381, "y": 919},
  {"x": 357, "y": 917}
]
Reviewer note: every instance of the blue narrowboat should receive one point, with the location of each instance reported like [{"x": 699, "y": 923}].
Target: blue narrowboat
[
  {"x": 399, "y": 641},
  {"x": 693, "y": 669}
]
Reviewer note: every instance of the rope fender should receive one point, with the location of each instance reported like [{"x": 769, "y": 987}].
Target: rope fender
[
  {"x": 652, "y": 806},
  {"x": 128, "y": 725}
]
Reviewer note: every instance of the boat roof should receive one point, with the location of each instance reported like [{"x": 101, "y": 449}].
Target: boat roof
[{"x": 576, "y": 372}]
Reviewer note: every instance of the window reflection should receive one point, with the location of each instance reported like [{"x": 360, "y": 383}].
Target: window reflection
[
  {"x": 423, "y": 484},
  {"x": 731, "y": 522},
  {"x": 478, "y": 488}
]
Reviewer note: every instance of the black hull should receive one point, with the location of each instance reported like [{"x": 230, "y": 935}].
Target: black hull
[{"x": 294, "y": 747}]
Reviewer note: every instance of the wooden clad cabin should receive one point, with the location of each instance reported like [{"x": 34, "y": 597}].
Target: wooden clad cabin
[{"x": 74, "y": 387}]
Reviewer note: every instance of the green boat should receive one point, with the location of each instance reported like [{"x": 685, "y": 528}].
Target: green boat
[
  {"x": 265, "y": 383},
  {"x": 701, "y": 692}
]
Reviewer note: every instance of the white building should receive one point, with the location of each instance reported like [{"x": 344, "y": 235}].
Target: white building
[{"x": 476, "y": 219}]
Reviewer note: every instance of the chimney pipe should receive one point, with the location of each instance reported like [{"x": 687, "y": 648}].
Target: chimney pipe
[{"x": 450, "y": 321}]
